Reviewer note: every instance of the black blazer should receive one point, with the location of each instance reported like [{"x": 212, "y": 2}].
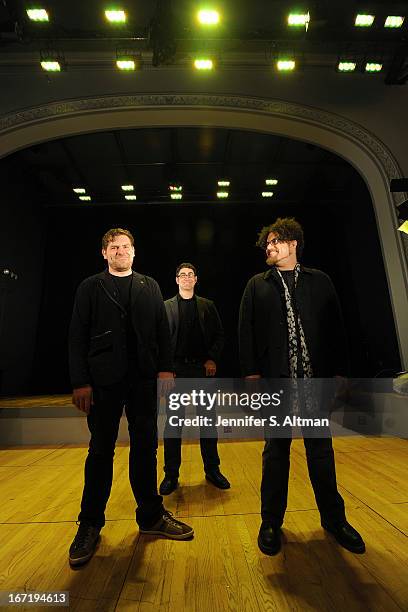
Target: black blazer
[
  {"x": 210, "y": 323},
  {"x": 263, "y": 325},
  {"x": 97, "y": 346}
]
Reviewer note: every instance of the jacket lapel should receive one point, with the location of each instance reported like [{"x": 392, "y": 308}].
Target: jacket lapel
[
  {"x": 174, "y": 316},
  {"x": 138, "y": 285},
  {"x": 200, "y": 309},
  {"x": 108, "y": 286}
]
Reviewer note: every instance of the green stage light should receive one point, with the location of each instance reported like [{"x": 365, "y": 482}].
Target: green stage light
[
  {"x": 222, "y": 194},
  {"x": 267, "y": 194},
  {"x": 126, "y": 64},
  {"x": 364, "y": 21},
  {"x": 174, "y": 187},
  {"x": 51, "y": 66},
  {"x": 223, "y": 183},
  {"x": 79, "y": 190},
  {"x": 208, "y": 17},
  {"x": 127, "y": 187},
  {"x": 373, "y": 67},
  {"x": 394, "y": 21},
  {"x": 130, "y": 197},
  {"x": 286, "y": 65},
  {"x": 85, "y": 198},
  {"x": 271, "y": 181},
  {"x": 115, "y": 15},
  {"x": 203, "y": 64},
  {"x": 346, "y": 66},
  {"x": 37, "y": 14},
  {"x": 298, "y": 19},
  {"x": 176, "y": 196}
]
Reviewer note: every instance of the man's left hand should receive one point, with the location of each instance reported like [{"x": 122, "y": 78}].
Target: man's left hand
[
  {"x": 165, "y": 383},
  {"x": 210, "y": 367}
]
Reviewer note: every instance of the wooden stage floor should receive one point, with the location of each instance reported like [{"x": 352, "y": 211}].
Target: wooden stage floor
[{"x": 222, "y": 568}]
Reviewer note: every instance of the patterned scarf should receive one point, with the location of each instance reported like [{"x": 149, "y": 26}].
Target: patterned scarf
[{"x": 295, "y": 330}]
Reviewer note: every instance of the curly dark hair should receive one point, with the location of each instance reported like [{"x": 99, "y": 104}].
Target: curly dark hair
[
  {"x": 186, "y": 264},
  {"x": 113, "y": 233},
  {"x": 286, "y": 228}
]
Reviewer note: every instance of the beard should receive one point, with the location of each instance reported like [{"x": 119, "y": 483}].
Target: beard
[
  {"x": 124, "y": 263},
  {"x": 272, "y": 259}
]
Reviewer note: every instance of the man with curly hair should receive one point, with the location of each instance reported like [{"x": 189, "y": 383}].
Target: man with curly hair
[{"x": 291, "y": 327}]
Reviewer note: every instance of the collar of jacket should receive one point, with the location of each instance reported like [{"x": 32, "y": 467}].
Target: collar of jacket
[{"x": 108, "y": 286}]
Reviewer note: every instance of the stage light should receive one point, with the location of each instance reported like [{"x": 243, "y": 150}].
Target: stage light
[
  {"x": 203, "y": 64},
  {"x": 115, "y": 15},
  {"x": 346, "y": 66},
  {"x": 37, "y": 14},
  {"x": 176, "y": 196},
  {"x": 174, "y": 187},
  {"x": 79, "y": 190},
  {"x": 85, "y": 198},
  {"x": 364, "y": 21},
  {"x": 373, "y": 67},
  {"x": 267, "y": 194},
  {"x": 51, "y": 66},
  {"x": 394, "y": 21},
  {"x": 130, "y": 197},
  {"x": 222, "y": 194},
  {"x": 223, "y": 183},
  {"x": 404, "y": 227},
  {"x": 271, "y": 181},
  {"x": 127, "y": 188},
  {"x": 285, "y": 65},
  {"x": 298, "y": 19},
  {"x": 126, "y": 64},
  {"x": 208, "y": 17}
]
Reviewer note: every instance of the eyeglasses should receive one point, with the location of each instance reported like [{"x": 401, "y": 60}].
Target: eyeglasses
[
  {"x": 184, "y": 275},
  {"x": 274, "y": 241}
]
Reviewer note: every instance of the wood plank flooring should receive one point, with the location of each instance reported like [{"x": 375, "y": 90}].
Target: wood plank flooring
[{"x": 222, "y": 568}]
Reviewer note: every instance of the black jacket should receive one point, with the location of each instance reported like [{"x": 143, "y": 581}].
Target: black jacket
[
  {"x": 263, "y": 325},
  {"x": 97, "y": 335},
  {"x": 210, "y": 324}
]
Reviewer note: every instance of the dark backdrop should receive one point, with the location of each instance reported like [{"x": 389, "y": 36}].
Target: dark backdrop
[{"x": 341, "y": 239}]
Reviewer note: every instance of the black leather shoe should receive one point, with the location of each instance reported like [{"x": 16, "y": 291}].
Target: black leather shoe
[
  {"x": 168, "y": 485},
  {"x": 217, "y": 479},
  {"x": 269, "y": 539},
  {"x": 346, "y": 536}
]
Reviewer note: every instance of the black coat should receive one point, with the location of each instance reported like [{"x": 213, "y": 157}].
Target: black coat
[
  {"x": 263, "y": 327},
  {"x": 210, "y": 324},
  {"x": 97, "y": 335}
]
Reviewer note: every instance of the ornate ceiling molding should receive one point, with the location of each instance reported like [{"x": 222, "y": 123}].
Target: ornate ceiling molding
[{"x": 277, "y": 108}]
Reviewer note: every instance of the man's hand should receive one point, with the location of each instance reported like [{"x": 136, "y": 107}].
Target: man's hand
[
  {"x": 82, "y": 398},
  {"x": 210, "y": 367},
  {"x": 165, "y": 383}
]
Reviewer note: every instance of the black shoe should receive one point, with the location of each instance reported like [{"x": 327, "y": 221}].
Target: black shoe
[
  {"x": 217, "y": 479},
  {"x": 269, "y": 539},
  {"x": 168, "y": 485},
  {"x": 84, "y": 544},
  {"x": 346, "y": 536},
  {"x": 169, "y": 527}
]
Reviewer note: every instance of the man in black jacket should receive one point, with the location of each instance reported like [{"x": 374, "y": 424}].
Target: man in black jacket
[
  {"x": 197, "y": 339},
  {"x": 291, "y": 327},
  {"x": 119, "y": 343}
]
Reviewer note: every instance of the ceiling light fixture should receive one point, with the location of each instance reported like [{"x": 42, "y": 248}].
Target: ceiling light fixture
[
  {"x": 267, "y": 194},
  {"x": 126, "y": 64},
  {"x": 127, "y": 188},
  {"x": 51, "y": 66},
  {"x": 271, "y": 181},
  {"x": 222, "y": 194},
  {"x": 85, "y": 198},
  {"x": 394, "y": 21},
  {"x": 115, "y": 15},
  {"x": 364, "y": 21},
  {"x": 346, "y": 66},
  {"x": 373, "y": 67},
  {"x": 79, "y": 190},
  {"x": 203, "y": 64},
  {"x": 223, "y": 183},
  {"x": 176, "y": 196},
  {"x": 37, "y": 14},
  {"x": 298, "y": 19},
  {"x": 286, "y": 65},
  {"x": 208, "y": 17},
  {"x": 130, "y": 197}
]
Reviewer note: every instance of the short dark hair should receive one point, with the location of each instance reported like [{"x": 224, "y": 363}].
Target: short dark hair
[
  {"x": 186, "y": 264},
  {"x": 111, "y": 235},
  {"x": 286, "y": 228}
]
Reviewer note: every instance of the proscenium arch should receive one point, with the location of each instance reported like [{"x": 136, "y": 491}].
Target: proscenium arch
[{"x": 363, "y": 150}]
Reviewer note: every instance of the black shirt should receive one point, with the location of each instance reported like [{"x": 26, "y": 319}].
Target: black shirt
[
  {"x": 190, "y": 341},
  {"x": 123, "y": 285},
  {"x": 289, "y": 278}
]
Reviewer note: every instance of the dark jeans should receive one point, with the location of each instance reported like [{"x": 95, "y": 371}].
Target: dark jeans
[
  {"x": 139, "y": 398},
  {"x": 172, "y": 445},
  {"x": 320, "y": 464}
]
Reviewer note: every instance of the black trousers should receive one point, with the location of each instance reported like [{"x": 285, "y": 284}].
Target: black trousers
[
  {"x": 139, "y": 397},
  {"x": 320, "y": 463},
  {"x": 172, "y": 445}
]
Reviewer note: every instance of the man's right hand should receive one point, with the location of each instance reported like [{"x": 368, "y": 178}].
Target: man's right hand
[{"x": 82, "y": 398}]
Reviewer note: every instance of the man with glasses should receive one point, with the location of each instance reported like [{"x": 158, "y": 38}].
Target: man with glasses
[
  {"x": 119, "y": 348},
  {"x": 291, "y": 327},
  {"x": 197, "y": 340}
]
